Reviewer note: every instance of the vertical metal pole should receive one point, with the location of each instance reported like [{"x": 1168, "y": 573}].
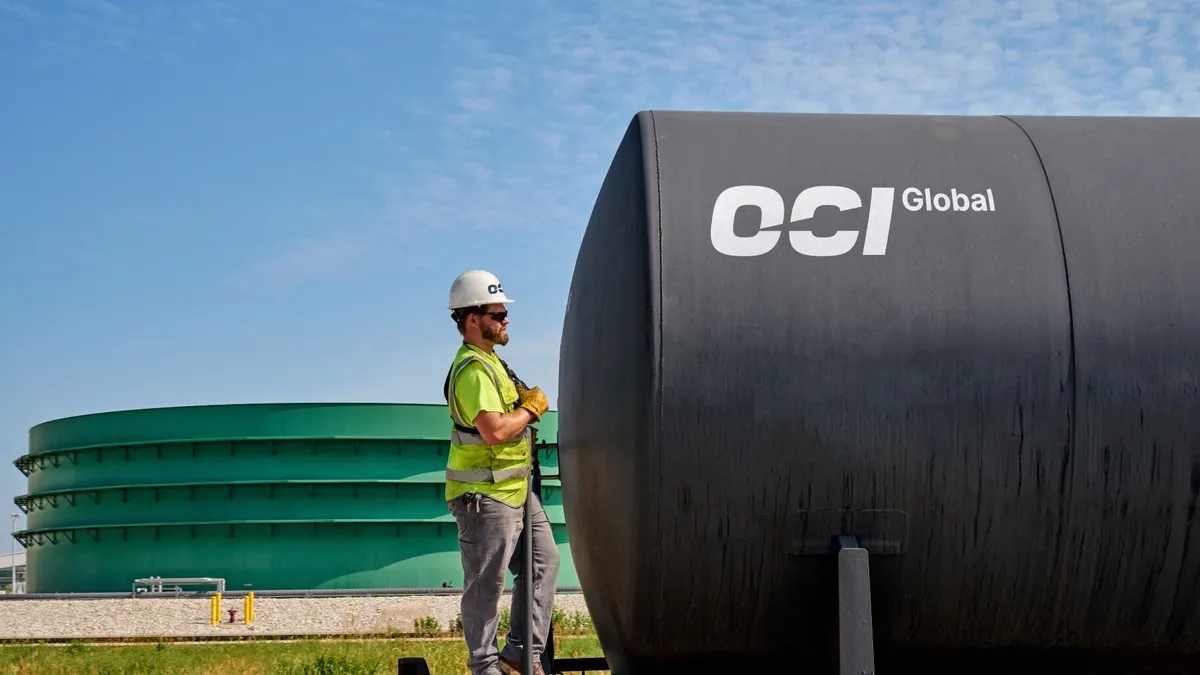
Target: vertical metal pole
[
  {"x": 856, "y": 653},
  {"x": 528, "y": 531},
  {"x": 547, "y": 659},
  {"x": 13, "y": 552},
  {"x": 529, "y": 570}
]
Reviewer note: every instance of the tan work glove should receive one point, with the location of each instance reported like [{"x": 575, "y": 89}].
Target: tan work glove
[{"x": 534, "y": 401}]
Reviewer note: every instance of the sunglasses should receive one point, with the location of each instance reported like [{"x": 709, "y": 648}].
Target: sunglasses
[{"x": 497, "y": 316}]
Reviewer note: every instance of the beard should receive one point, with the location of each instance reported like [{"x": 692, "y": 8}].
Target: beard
[{"x": 497, "y": 335}]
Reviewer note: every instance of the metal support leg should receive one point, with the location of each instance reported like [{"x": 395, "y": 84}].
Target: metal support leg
[
  {"x": 527, "y": 657},
  {"x": 856, "y": 646},
  {"x": 547, "y": 653},
  {"x": 413, "y": 665}
]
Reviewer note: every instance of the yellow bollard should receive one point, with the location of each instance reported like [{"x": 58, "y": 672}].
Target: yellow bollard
[
  {"x": 215, "y": 609},
  {"x": 248, "y": 608}
]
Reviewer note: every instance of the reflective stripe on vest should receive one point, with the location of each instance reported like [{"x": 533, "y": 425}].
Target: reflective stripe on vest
[{"x": 484, "y": 476}]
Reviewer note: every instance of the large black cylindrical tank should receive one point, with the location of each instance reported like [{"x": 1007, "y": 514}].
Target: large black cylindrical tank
[{"x": 974, "y": 342}]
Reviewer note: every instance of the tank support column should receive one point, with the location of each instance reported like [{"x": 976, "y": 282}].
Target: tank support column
[
  {"x": 856, "y": 646},
  {"x": 413, "y": 665}
]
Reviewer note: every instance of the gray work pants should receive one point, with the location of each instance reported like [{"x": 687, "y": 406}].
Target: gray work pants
[{"x": 491, "y": 542}]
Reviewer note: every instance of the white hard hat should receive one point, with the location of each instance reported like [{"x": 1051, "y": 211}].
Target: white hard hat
[{"x": 476, "y": 287}]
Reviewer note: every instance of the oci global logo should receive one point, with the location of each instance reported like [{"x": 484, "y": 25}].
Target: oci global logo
[
  {"x": 916, "y": 199},
  {"x": 771, "y": 210}
]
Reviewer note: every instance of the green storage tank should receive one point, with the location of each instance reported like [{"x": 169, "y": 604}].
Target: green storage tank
[{"x": 292, "y": 496}]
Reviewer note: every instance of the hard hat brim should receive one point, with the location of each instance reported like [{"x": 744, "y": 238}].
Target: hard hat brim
[{"x": 490, "y": 301}]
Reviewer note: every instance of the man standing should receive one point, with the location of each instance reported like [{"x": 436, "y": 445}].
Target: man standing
[{"x": 491, "y": 454}]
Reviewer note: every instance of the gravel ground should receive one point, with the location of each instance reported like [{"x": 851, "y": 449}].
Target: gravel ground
[{"x": 190, "y": 616}]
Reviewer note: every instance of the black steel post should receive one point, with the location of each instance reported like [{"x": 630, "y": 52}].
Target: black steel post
[
  {"x": 528, "y": 570},
  {"x": 856, "y": 644},
  {"x": 412, "y": 665},
  {"x": 547, "y": 653}
]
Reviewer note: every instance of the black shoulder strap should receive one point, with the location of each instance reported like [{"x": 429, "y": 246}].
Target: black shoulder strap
[{"x": 511, "y": 375}]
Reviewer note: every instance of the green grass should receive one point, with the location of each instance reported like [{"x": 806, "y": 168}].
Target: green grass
[
  {"x": 575, "y": 623},
  {"x": 310, "y": 657}
]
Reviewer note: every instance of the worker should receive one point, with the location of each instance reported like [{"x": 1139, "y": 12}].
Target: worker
[{"x": 491, "y": 455}]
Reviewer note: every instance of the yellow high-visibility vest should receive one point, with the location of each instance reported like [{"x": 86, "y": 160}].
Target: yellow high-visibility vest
[{"x": 500, "y": 471}]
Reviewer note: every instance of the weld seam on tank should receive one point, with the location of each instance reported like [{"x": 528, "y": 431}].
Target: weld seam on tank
[
  {"x": 1072, "y": 372},
  {"x": 654, "y": 252},
  {"x": 658, "y": 413}
]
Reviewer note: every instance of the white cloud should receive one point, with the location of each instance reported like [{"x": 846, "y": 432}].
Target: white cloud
[
  {"x": 574, "y": 78},
  {"x": 18, "y": 9},
  {"x": 315, "y": 258},
  {"x": 538, "y": 110},
  {"x": 76, "y": 31},
  {"x": 557, "y": 94}
]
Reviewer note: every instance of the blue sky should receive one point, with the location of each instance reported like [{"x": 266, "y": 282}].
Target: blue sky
[{"x": 258, "y": 200}]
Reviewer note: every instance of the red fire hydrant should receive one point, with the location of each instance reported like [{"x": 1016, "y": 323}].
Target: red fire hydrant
[{"x": 232, "y": 612}]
